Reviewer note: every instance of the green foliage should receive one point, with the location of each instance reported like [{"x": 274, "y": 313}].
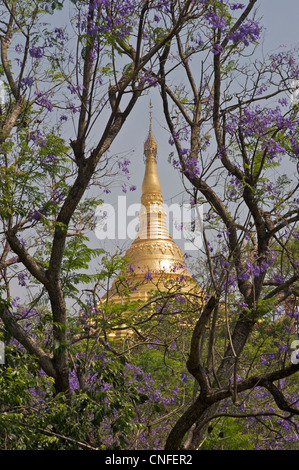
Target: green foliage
[
  {"x": 51, "y": 5},
  {"x": 33, "y": 418},
  {"x": 77, "y": 257},
  {"x": 228, "y": 434},
  {"x": 28, "y": 170}
]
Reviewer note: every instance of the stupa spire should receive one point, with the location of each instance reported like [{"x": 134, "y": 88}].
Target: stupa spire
[
  {"x": 153, "y": 255},
  {"x": 153, "y": 248},
  {"x": 151, "y": 184}
]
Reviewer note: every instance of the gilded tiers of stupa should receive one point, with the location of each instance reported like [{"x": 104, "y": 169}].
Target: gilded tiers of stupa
[
  {"x": 153, "y": 251},
  {"x": 155, "y": 259}
]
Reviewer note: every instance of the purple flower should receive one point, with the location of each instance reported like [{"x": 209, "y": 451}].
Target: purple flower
[
  {"x": 264, "y": 360},
  {"x": 58, "y": 196},
  {"x": 44, "y": 101},
  {"x": 37, "y": 138},
  {"x": 51, "y": 158},
  {"x": 124, "y": 166},
  {"x": 185, "y": 377},
  {"x": 21, "y": 279},
  {"x": 21, "y": 240},
  {"x": 28, "y": 81},
  {"x": 217, "y": 49},
  {"x": 60, "y": 34},
  {"x": 295, "y": 145},
  {"x": 237, "y": 6},
  {"x": 248, "y": 32},
  {"x": 37, "y": 214},
  {"x": 73, "y": 108},
  {"x": 19, "y": 48},
  {"x": 274, "y": 148},
  {"x": 180, "y": 298},
  {"x": 256, "y": 270},
  {"x": 215, "y": 20},
  {"x": 283, "y": 101},
  {"x": 15, "y": 302},
  {"x": 279, "y": 279}
]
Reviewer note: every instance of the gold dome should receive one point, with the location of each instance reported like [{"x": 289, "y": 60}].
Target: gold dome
[
  {"x": 153, "y": 249},
  {"x": 155, "y": 260}
]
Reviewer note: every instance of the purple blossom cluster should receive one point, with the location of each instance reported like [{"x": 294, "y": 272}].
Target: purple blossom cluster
[
  {"x": 248, "y": 32},
  {"x": 217, "y": 49},
  {"x": 270, "y": 430},
  {"x": 216, "y": 21},
  {"x": 117, "y": 18},
  {"x": 22, "y": 278},
  {"x": 58, "y": 195},
  {"x": 27, "y": 82},
  {"x": 38, "y": 138},
  {"x": 267, "y": 189},
  {"x": 43, "y": 100},
  {"x": 75, "y": 89},
  {"x": 254, "y": 268},
  {"x": 123, "y": 166},
  {"x": 145, "y": 397},
  {"x": 283, "y": 59},
  {"x": 36, "y": 52},
  {"x": 37, "y": 214},
  {"x": 286, "y": 434},
  {"x": 148, "y": 276},
  {"x": 191, "y": 163},
  {"x": 148, "y": 78},
  {"x": 46, "y": 151},
  {"x": 235, "y": 187},
  {"x": 124, "y": 187},
  {"x": 60, "y": 34},
  {"x": 237, "y": 6},
  {"x": 258, "y": 120},
  {"x": 19, "y": 48}
]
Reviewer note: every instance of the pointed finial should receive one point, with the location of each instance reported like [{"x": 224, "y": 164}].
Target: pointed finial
[
  {"x": 150, "y": 146},
  {"x": 150, "y": 112}
]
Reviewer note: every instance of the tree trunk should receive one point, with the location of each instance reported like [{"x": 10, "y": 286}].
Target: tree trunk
[{"x": 60, "y": 351}]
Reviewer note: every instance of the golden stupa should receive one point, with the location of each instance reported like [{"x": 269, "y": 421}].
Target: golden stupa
[{"x": 156, "y": 262}]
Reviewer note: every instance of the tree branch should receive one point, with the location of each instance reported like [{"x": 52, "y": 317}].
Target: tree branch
[{"x": 27, "y": 341}]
